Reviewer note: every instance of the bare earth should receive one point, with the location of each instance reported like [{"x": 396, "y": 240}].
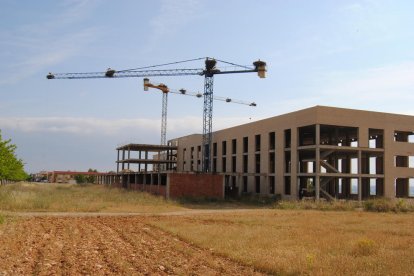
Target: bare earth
[{"x": 103, "y": 245}]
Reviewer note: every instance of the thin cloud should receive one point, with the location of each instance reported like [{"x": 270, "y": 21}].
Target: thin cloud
[
  {"x": 379, "y": 83},
  {"x": 34, "y": 47},
  {"x": 387, "y": 88},
  {"x": 103, "y": 127},
  {"x": 173, "y": 16}
]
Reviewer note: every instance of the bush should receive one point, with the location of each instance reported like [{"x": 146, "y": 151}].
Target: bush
[
  {"x": 257, "y": 200},
  {"x": 80, "y": 178},
  {"x": 317, "y": 205},
  {"x": 378, "y": 205},
  {"x": 387, "y": 205},
  {"x": 364, "y": 247},
  {"x": 401, "y": 205}
]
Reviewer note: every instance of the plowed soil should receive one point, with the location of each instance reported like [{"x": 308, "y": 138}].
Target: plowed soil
[{"x": 103, "y": 246}]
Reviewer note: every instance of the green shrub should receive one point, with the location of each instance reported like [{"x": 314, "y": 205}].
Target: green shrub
[
  {"x": 386, "y": 205},
  {"x": 80, "y": 178},
  {"x": 401, "y": 206},
  {"x": 378, "y": 205},
  {"x": 287, "y": 205},
  {"x": 317, "y": 205}
]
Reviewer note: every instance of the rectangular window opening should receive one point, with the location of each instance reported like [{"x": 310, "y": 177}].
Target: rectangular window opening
[
  {"x": 271, "y": 184},
  {"x": 272, "y": 162},
  {"x": 404, "y": 136},
  {"x": 245, "y": 144},
  {"x": 257, "y": 163},
  {"x": 372, "y": 187},
  {"x": 272, "y": 141},
  {"x": 287, "y": 138},
  {"x": 354, "y": 186},
  {"x": 244, "y": 184},
  {"x": 245, "y": 163},
  {"x": 257, "y": 183},
  {"x": 287, "y": 185},
  {"x": 233, "y": 146},
  {"x": 376, "y": 138},
  {"x": 257, "y": 142},
  {"x": 233, "y": 164},
  {"x": 224, "y": 148}
]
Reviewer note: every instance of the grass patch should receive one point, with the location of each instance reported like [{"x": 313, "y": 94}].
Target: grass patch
[
  {"x": 51, "y": 197},
  {"x": 2, "y": 219},
  {"x": 304, "y": 242},
  {"x": 317, "y": 205},
  {"x": 387, "y": 205},
  {"x": 76, "y": 198},
  {"x": 245, "y": 201}
]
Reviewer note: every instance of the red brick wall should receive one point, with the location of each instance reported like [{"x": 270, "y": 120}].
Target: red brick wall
[{"x": 196, "y": 185}]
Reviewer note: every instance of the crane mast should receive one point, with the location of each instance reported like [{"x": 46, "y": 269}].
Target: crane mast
[
  {"x": 208, "y": 72},
  {"x": 207, "y": 123},
  {"x": 164, "y": 89}
]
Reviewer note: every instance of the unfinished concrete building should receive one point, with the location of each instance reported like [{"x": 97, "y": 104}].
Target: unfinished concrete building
[
  {"x": 321, "y": 152},
  {"x": 152, "y": 168}
]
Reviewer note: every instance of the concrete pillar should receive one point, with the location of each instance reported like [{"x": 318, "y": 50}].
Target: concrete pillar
[
  {"x": 294, "y": 163},
  {"x": 317, "y": 162},
  {"x": 279, "y": 159},
  {"x": 117, "y": 163},
  {"x": 139, "y": 164},
  {"x": 363, "y": 140},
  {"x": 388, "y": 165},
  {"x": 123, "y": 158},
  {"x": 359, "y": 177},
  {"x": 129, "y": 155}
]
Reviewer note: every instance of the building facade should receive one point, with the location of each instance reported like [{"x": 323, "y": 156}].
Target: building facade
[{"x": 321, "y": 152}]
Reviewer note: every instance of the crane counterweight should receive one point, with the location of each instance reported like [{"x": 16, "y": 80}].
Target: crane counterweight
[{"x": 110, "y": 73}]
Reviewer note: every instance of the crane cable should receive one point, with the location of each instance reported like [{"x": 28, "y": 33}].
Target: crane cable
[
  {"x": 159, "y": 65},
  {"x": 183, "y": 61}
]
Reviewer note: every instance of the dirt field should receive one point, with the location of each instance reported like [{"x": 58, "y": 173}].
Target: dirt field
[{"x": 102, "y": 246}]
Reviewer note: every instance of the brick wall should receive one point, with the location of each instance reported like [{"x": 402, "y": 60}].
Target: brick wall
[
  {"x": 184, "y": 185},
  {"x": 195, "y": 185}
]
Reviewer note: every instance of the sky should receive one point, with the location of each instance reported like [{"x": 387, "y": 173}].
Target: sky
[{"x": 353, "y": 54}]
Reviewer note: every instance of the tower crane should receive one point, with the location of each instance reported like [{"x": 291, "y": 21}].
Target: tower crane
[
  {"x": 209, "y": 71},
  {"x": 165, "y": 90}
]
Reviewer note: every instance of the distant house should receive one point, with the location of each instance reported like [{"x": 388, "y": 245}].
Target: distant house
[{"x": 69, "y": 176}]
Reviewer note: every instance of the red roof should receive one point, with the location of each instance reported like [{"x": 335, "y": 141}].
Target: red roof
[{"x": 82, "y": 173}]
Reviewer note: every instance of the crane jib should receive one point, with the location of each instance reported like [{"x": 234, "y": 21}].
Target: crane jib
[{"x": 127, "y": 74}]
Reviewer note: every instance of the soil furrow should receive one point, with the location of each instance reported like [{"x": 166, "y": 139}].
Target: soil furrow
[{"x": 103, "y": 246}]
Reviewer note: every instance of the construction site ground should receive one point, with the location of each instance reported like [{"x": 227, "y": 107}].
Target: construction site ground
[{"x": 102, "y": 245}]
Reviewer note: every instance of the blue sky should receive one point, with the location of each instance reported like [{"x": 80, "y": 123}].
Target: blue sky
[{"x": 354, "y": 54}]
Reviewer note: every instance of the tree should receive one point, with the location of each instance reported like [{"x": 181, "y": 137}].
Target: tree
[
  {"x": 11, "y": 168},
  {"x": 80, "y": 178},
  {"x": 91, "y": 178}
]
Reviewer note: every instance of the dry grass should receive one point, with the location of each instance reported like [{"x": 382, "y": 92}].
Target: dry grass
[
  {"x": 300, "y": 242},
  {"x": 285, "y": 242},
  {"x": 75, "y": 198},
  {"x": 318, "y": 205},
  {"x": 97, "y": 198}
]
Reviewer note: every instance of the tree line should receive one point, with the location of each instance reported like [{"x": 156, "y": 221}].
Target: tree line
[{"x": 11, "y": 167}]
